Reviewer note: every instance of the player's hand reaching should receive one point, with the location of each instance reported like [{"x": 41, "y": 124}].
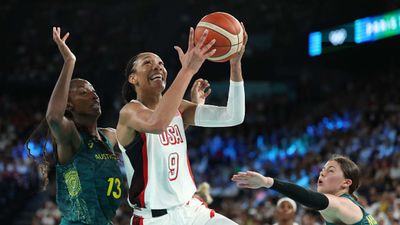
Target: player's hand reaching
[
  {"x": 239, "y": 56},
  {"x": 195, "y": 55},
  {"x": 62, "y": 46},
  {"x": 198, "y": 93},
  {"x": 203, "y": 191},
  {"x": 252, "y": 180}
]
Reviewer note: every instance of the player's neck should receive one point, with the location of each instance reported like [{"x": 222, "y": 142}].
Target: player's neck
[
  {"x": 340, "y": 193},
  {"x": 150, "y": 101},
  {"x": 89, "y": 126}
]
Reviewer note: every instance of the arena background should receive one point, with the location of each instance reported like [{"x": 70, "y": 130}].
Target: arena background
[{"x": 299, "y": 111}]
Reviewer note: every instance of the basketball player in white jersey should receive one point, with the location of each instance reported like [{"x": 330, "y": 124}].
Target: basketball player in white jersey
[{"x": 152, "y": 137}]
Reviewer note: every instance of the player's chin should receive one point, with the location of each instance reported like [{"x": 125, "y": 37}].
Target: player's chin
[
  {"x": 320, "y": 189},
  {"x": 97, "y": 109},
  {"x": 96, "y": 112},
  {"x": 158, "y": 85}
]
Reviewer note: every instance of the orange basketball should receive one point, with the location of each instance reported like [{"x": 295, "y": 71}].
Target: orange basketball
[{"x": 227, "y": 32}]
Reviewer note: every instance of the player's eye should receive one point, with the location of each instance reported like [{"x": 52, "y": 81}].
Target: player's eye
[{"x": 83, "y": 91}]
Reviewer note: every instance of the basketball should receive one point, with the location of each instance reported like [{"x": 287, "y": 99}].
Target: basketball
[{"x": 227, "y": 32}]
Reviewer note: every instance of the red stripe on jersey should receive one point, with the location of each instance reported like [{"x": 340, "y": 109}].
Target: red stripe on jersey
[
  {"x": 145, "y": 170},
  {"x": 190, "y": 169},
  {"x": 137, "y": 220},
  {"x": 212, "y": 213}
]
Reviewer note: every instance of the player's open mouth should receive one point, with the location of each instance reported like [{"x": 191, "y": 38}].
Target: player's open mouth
[{"x": 156, "y": 76}]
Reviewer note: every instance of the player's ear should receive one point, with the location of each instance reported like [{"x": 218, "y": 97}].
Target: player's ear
[
  {"x": 132, "y": 78},
  {"x": 347, "y": 183}
]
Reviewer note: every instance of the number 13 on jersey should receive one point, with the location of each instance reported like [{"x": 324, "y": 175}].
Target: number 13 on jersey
[
  {"x": 173, "y": 166},
  {"x": 117, "y": 182}
]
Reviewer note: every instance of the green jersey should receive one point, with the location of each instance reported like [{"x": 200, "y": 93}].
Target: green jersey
[
  {"x": 366, "y": 219},
  {"x": 89, "y": 187}
]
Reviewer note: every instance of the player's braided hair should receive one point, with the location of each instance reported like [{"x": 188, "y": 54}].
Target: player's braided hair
[
  {"x": 44, "y": 165},
  {"x": 43, "y": 128}
]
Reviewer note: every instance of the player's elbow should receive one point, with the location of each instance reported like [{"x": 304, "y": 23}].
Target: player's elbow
[
  {"x": 240, "y": 120},
  {"x": 237, "y": 120},
  {"x": 231, "y": 120},
  {"x": 238, "y": 117},
  {"x": 52, "y": 119},
  {"x": 157, "y": 131},
  {"x": 158, "y": 126}
]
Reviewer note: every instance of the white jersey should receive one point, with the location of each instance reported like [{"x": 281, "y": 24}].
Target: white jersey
[{"x": 157, "y": 168}]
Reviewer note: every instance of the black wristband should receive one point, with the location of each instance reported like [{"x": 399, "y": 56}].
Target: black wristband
[{"x": 308, "y": 198}]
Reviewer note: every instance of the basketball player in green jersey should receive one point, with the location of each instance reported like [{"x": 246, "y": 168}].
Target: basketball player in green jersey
[
  {"x": 89, "y": 181},
  {"x": 335, "y": 200}
]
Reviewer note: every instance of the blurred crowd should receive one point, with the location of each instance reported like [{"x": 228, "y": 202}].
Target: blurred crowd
[
  {"x": 361, "y": 121},
  {"x": 18, "y": 173},
  {"x": 281, "y": 137}
]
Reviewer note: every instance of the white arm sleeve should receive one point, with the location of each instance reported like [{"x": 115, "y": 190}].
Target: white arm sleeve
[{"x": 217, "y": 116}]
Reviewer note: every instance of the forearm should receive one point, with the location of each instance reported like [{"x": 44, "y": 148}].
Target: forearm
[
  {"x": 231, "y": 115},
  {"x": 171, "y": 100},
  {"x": 59, "y": 97},
  {"x": 236, "y": 71},
  {"x": 311, "y": 199}
]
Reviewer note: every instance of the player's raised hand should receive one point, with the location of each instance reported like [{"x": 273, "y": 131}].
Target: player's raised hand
[
  {"x": 239, "y": 56},
  {"x": 203, "y": 191},
  {"x": 198, "y": 93},
  {"x": 190, "y": 45},
  {"x": 252, "y": 180},
  {"x": 62, "y": 46},
  {"x": 195, "y": 55}
]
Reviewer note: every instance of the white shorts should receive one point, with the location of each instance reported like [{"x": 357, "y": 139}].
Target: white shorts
[{"x": 194, "y": 212}]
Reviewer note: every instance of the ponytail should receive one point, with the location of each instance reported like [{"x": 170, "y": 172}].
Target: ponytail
[
  {"x": 128, "y": 92},
  {"x": 43, "y": 131},
  {"x": 44, "y": 165}
]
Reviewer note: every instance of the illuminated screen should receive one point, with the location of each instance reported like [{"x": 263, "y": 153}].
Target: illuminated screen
[
  {"x": 377, "y": 27},
  {"x": 362, "y": 30}
]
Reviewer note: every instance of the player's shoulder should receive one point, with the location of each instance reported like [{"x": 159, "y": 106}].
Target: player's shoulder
[{"x": 130, "y": 107}]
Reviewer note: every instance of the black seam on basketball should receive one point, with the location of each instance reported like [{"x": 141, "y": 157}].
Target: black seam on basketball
[
  {"x": 227, "y": 45},
  {"x": 210, "y": 28},
  {"x": 232, "y": 25},
  {"x": 236, "y": 35}
]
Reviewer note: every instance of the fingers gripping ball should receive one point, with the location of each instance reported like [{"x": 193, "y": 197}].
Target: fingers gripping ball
[{"x": 227, "y": 32}]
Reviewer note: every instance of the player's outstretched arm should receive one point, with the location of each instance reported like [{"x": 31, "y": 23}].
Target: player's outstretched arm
[
  {"x": 306, "y": 197},
  {"x": 332, "y": 207},
  {"x": 62, "y": 128}
]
